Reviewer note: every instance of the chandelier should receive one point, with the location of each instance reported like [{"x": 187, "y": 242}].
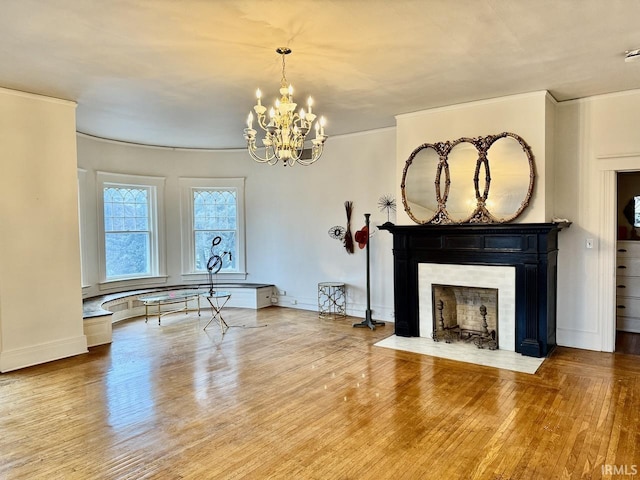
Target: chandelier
[{"x": 286, "y": 130}]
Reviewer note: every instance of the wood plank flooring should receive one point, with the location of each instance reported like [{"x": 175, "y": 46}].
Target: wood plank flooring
[{"x": 292, "y": 396}]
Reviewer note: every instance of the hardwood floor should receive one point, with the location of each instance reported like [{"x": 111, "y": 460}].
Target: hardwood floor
[{"x": 297, "y": 397}]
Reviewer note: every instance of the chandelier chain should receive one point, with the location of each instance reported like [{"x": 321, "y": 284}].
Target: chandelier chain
[{"x": 283, "y": 82}]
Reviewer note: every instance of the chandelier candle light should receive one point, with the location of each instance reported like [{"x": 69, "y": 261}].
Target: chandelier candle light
[{"x": 286, "y": 131}]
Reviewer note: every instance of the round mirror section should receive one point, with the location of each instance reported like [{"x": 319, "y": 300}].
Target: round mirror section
[
  {"x": 511, "y": 177},
  {"x": 418, "y": 184},
  {"x": 462, "y": 160}
]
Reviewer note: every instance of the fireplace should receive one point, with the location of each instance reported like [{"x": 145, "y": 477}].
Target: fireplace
[
  {"x": 527, "y": 285},
  {"x": 498, "y": 278},
  {"x": 465, "y": 314}
]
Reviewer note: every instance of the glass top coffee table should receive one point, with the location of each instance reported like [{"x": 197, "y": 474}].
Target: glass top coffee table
[{"x": 169, "y": 298}]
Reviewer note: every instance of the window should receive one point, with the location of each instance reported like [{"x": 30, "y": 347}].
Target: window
[
  {"x": 213, "y": 208},
  {"x": 215, "y": 215},
  {"x": 130, "y": 219},
  {"x": 127, "y": 231}
]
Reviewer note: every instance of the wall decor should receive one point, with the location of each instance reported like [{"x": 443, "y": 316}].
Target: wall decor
[
  {"x": 388, "y": 203},
  {"x": 348, "y": 238},
  {"x": 470, "y": 180},
  {"x": 337, "y": 232},
  {"x": 362, "y": 236}
]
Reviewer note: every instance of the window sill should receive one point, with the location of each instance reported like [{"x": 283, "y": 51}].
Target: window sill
[{"x": 132, "y": 282}]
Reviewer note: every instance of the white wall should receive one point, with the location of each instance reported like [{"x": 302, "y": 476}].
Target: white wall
[
  {"x": 595, "y": 137},
  {"x": 288, "y": 213},
  {"x": 40, "y": 297}
]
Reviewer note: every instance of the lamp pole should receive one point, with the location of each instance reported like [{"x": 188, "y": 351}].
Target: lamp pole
[{"x": 368, "y": 321}]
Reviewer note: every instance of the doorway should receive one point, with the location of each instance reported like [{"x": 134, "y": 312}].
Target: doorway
[{"x": 627, "y": 335}]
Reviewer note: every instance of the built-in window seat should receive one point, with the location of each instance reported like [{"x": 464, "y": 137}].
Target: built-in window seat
[{"x": 102, "y": 311}]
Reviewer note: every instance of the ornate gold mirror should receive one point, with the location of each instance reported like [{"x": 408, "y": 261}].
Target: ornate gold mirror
[
  {"x": 462, "y": 159},
  {"x": 420, "y": 192},
  {"x": 470, "y": 180},
  {"x": 511, "y": 177}
]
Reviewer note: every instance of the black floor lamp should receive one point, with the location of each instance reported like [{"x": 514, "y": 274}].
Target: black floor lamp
[{"x": 368, "y": 321}]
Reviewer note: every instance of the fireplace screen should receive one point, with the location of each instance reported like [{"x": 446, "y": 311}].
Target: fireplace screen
[{"x": 466, "y": 314}]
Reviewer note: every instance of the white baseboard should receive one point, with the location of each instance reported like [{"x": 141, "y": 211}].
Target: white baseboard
[
  {"x": 359, "y": 311},
  {"x": 42, "y": 353},
  {"x": 378, "y": 312},
  {"x": 579, "y": 339}
]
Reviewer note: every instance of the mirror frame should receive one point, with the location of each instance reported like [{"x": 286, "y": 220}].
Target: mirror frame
[{"x": 480, "y": 214}]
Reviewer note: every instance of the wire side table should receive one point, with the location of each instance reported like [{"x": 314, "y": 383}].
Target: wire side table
[{"x": 332, "y": 300}]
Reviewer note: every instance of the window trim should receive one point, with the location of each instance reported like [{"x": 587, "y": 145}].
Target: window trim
[
  {"x": 156, "y": 223},
  {"x": 187, "y": 185},
  {"x": 82, "y": 230}
]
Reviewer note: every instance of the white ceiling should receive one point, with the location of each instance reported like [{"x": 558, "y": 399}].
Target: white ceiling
[{"x": 183, "y": 73}]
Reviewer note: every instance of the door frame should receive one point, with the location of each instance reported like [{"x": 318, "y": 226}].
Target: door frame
[{"x": 608, "y": 167}]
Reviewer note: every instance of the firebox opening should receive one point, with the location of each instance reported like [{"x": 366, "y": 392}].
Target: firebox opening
[{"x": 467, "y": 314}]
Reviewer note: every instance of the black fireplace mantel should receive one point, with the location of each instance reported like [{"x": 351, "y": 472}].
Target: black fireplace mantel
[{"x": 532, "y": 248}]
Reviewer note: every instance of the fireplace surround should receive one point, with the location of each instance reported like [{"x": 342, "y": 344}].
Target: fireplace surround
[
  {"x": 468, "y": 314},
  {"x": 532, "y": 248}
]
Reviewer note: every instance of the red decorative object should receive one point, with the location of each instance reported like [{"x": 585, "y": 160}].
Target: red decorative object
[{"x": 362, "y": 237}]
